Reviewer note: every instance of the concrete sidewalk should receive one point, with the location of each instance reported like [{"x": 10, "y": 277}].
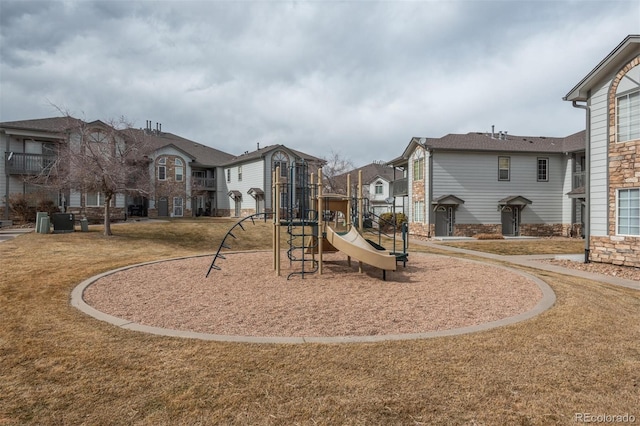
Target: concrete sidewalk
[
  {"x": 7, "y": 234},
  {"x": 533, "y": 261}
]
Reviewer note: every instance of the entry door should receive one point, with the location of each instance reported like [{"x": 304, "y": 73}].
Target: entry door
[
  {"x": 444, "y": 221},
  {"x": 178, "y": 206},
  {"x": 163, "y": 207},
  {"x": 511, "y": 221}
]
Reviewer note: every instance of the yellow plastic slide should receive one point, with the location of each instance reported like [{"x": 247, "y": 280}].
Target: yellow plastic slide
[{"x": 354, "y": 245}]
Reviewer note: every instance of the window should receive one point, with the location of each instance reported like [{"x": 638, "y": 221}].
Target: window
[
  {"x": 162, "y": 168},
  {"x": 418, "y": 211},
  {"x": 543, "y": 170},
  {"x": 94, "y": 199},
  {"x": 177, "y": 206},
  {"x": 98, "y": 136},
  {"x": 379, "y": 188},
  {"x": 280, "y": 160},
  {"x": 228, "y": 175},
  {"x": 418, "y": 167},
  {"x": 504, "y": 166},
  {"x": 629, "y": 211},
  {"x": 239, "y": 173},
  {"x": 179, "y": 170},
  {"x": 628, "y": 117}
]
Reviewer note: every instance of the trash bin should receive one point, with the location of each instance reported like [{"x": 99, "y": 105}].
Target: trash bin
[
  {"x": 84, "y": 224},
  {"x": 63, "y": 222}
]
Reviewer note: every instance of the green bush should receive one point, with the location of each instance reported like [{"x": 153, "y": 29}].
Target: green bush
[{"x": 387, "y": 220}]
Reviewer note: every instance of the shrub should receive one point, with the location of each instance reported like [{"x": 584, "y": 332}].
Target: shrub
[
  {"x": 387, "y": 221},
  {"x": 23, "y": 212},
  {"x": 490, "y": 237},
  {"x": 45, "y": 205},
  {"x": 25, "y": 206}
]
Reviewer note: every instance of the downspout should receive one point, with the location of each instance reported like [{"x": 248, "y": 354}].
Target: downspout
[
  {"x": 587, "y": 181},
  {"x": 429, "y": 197},
  {"x": 7, "y": 177}
]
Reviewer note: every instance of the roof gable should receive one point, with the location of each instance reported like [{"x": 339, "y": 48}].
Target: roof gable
[
  {"x": 629, "y": 47},
  {"x": 260, "y": 153},
  {"x": 448, "y": 200}
]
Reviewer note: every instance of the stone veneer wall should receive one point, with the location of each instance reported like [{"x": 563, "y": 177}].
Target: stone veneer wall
[
  {"x": 96, "y": 214},
  {"x": 545, "y": 230},
  {"x": 421, "y": 229},
  {"x": 224, "y": 212},
  {"x": 614, "y": 249},
  {"x": 471, "y": 230},
  {"x": 624, "y": 172}
]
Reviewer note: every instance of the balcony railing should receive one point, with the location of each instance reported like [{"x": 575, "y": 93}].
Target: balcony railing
[
  {"x": 204, "y": 183},
  {"x": 578, "y": 180},
  {"x": 400, "y": 187},
  {"x": 20, "y": 163}
]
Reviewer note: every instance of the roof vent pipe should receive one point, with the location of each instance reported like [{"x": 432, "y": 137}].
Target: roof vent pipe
[{"x": 493, "y": 128}]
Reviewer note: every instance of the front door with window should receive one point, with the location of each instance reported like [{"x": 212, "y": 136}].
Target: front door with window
[
  {"x": 445, "y": 219},
  {"x": 178, "y": 208},
  {"x": 511, "y": 220}
]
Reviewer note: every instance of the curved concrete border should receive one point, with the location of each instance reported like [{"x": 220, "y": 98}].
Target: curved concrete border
[{"x": 547, "y": 301}]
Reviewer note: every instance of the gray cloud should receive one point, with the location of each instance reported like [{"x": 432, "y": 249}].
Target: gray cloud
[{"x": 356, "y": 77}]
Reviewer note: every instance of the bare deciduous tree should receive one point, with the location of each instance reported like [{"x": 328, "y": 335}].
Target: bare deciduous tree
[
  {"x": 105, "y": 158},
  {"x": 334, "y": 172}
]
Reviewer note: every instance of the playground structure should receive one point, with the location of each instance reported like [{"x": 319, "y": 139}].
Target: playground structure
[{"x": 317, "y": 223}]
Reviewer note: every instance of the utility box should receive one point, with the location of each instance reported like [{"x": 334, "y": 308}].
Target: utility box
[
  {"x": 40, "y": 227},
  {"x": 84, "y": 224},
  {"x": 43, "y": 225},
  {"x": 63, "y": 222}
]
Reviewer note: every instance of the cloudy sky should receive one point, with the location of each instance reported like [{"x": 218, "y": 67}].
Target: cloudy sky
[{"x": 358, "y": 78}]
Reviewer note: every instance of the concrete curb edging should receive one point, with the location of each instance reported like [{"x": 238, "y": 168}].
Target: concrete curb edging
[{"x": 547, "y": 301}]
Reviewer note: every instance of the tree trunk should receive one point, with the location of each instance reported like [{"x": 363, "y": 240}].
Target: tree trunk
[{"x": 107, "y": 216}]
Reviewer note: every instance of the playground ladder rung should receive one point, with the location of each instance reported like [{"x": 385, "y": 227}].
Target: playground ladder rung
[
  {"x": 216, "y": 267},
  {"x": 230, "y": 233},
  {"x": 240, "y": 225},
  {"x": 220, "y": 256},
  {"x": 225, "y": 246}
]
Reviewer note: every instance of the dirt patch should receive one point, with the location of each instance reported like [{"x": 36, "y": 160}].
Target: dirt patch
[{"x": 246, "y": 298}]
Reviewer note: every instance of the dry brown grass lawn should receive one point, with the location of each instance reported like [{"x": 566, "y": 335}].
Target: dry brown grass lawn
[
  {"x": 59, "y": 366},
  {"x": 526, "y": 246}
]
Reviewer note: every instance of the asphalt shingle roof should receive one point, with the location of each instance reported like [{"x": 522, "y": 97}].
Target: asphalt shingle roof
[
  {"x": 485, "y": 142},
  {"x": 259, "y": 153},
  {"x": 53, "y": 125},
  {"x": 202, "y": 154}
]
